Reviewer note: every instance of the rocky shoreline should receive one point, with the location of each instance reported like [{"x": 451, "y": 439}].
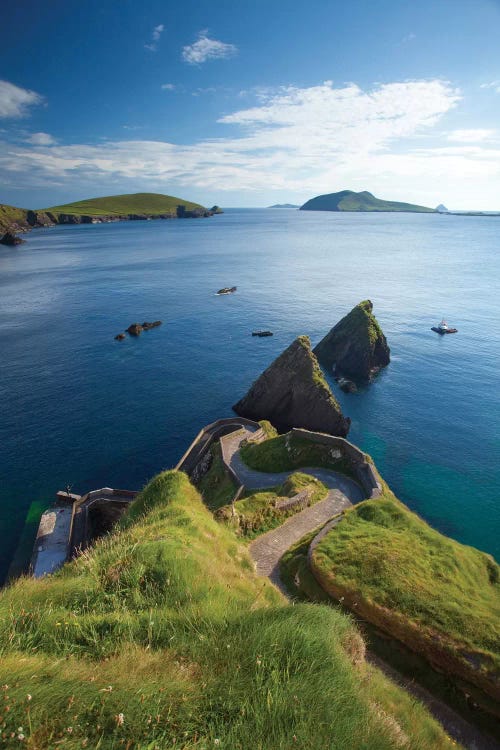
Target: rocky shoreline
[{"x": 35, "y": 219}]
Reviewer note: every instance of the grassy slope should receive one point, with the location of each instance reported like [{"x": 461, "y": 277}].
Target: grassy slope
[
  {"x": 347, "y": 200},
  {"x": 287, "y": 452},
  {"x": 10, "y": 215},
  {"x": 256, "y": 512},
  {"x": 432, "y": 593},
  {"x": 216, "y": 486},
  {"x": 162, "y": 636},
  {"x": 120, "y": 205}
]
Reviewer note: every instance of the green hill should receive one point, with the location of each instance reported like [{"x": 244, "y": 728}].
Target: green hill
[
  {"x": 162, "y": 636},
  {"x": 150, "y": 204},
  {"x": 347, "y": 200}
]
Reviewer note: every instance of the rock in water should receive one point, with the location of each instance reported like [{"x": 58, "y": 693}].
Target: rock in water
[
  {"x": 355, "y": 348},
  {"x": 9, "y": 238},
  {"x": 293, "y": 392}
]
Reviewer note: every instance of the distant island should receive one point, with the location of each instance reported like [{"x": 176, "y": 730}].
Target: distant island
[
  {"x": 348, "y": 200},
  {"x": 284, "y": 205},
  {"x": 135, "y": 206}
]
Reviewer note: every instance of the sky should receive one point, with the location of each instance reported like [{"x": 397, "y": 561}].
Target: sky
[{"x": 250, "y": 104}]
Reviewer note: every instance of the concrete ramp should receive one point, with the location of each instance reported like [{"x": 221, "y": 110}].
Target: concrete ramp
[{"x": 52, "y": 543}]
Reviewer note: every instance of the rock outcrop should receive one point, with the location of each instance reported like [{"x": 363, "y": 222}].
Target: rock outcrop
[
  {"x": 355, "y": 348},
  {"x": 136, "y": 328},
  {"x": 10, "y": 239},
  {"x": 293, "y": 392}
]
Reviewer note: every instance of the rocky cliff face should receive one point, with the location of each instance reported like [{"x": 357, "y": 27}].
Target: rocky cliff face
[
  {"x": 292, "y": 392},
  {"x": 356, "y": 347}
]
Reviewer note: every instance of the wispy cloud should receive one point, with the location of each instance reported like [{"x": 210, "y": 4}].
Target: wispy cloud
[
  {"x": 207, "y": 49},
  {"x": 168, "y": 86},
  {"x": 15, "y": 101},
  {"x": 299, "y": 140},
  {"x": 408, "y": 38},
  {"x": 41, "y": 139},
  {"x": 155, "y": 38},
  {"x": 473, "y": 135},
  {"x": 495, "y": 85}
]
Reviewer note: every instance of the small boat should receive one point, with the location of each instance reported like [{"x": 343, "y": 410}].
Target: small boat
[
  {"x": 227, "y": 290},
  {"x": 262, "y": 333},
  {"x": 443, "y": 328}
]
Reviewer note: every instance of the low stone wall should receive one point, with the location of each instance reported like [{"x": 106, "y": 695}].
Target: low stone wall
[
  {"x": 363, "y": 469},
  {"x": 205, "y": 439},
  {"x": 300, "y": 500}
]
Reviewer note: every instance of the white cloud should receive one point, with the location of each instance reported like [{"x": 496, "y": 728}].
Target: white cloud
[
  {"x": 155, "y": 37},
  {"x": 207, "y": 49},
  {"x": 15, "y": 101},
  {"x": 304, "y": 141},
  {"x": 408, "y": 38},
  {"x": 491, "y": 85},
  {"x": 474, "y": 135},
  {"x": 168, "y": 86},
  {"x": 41, "y": 139}
]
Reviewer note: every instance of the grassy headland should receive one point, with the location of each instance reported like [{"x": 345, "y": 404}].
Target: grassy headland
[
  {"x": 12, "y": 218},
  {"x": 438, "y": 597},
  {"x": 161, "y": 635},
  {"x": 348, "y": 200},
  {"x": 150, "y": 204}
]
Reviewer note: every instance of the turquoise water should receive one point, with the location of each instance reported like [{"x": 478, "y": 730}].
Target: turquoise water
[{"x": 80, "y": 408}]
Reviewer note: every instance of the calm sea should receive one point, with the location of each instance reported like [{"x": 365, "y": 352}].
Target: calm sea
[{"x": 79, "y": 408}]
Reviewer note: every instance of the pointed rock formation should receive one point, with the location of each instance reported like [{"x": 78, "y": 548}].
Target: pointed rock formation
[
  {"x": 355, "y": 348},
  {"x": 293, "y": 392}
]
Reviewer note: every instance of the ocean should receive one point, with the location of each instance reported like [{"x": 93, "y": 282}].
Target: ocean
[{"x": 79, "y": 408}]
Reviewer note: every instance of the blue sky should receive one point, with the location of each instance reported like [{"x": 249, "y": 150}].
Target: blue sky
[{"x": 248, "y": 104}]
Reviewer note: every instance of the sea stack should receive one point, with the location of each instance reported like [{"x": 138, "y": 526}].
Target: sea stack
[
  {"x": 293, "y": 392},
  {"x": 355, "y": 348}
]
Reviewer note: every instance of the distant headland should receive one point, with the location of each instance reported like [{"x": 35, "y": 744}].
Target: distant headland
[
  {"x": 132, "y": 207},
  {"x": 284, "y": 205},
  {"x": 348, "y": 200}
]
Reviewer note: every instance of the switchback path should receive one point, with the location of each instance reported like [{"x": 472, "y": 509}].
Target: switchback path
[{"x": 268, "y": 549}]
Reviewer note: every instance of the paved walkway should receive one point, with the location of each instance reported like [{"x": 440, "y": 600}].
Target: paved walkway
[
  {"x": 257, "y": 480},
  {"x": 268, "y": 549}
]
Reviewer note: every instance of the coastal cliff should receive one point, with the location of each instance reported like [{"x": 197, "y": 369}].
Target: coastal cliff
[
  {"x": 356, "y": 347},
  {"x": 134, "y": 207},
  {"x": 292, "y": 392}
]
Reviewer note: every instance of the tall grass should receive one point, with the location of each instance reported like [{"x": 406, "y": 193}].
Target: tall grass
[{"x": 162, "y": 636}]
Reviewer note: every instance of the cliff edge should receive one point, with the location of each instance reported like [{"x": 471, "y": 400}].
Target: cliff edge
[
  {"x": 293, "y": 392},
  {"x": 356, "y": 347}
]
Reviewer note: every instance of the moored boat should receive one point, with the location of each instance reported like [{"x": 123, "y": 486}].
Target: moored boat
[{"x": 443, "y": 328}]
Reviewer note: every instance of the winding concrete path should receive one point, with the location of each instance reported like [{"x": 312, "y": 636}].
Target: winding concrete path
[{"x": 268, "y": 549}]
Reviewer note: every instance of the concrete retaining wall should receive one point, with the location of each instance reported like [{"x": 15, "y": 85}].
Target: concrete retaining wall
[
  {"x": 364, "y": 471},
  {"x": 206, "y": 437}
]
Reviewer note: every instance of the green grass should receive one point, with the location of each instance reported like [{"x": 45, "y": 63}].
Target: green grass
[
  {"x": 256, "y": 513},
  {"x": 287, "y": 452},
  {"x": 135, "y": 203},
  {"x": 10, "y": 215},
  {"x": 162, "y": 636},
  {"x": 216, "y": 486},
  {"x": 348, "y": 200},
  {"x": 439, "y": 597}
]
